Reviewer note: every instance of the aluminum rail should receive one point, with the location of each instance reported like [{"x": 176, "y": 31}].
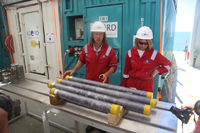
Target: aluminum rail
[
  {"x": 109, "y": 86},
  {"x": 88, "y": 102},
  {"x": 131, "y": 97},
  {"x": 128, "y": 105}
]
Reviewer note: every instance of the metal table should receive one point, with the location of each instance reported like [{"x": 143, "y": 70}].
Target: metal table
[{"x": 36, "y": 90}]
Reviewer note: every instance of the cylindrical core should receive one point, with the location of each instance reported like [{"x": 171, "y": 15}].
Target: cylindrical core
[
  {"x": 128, "y": 105},
  {"x": 109, "y": 86},
  {"x": 88, "y": 102},
  {"x": 113, "y": 93}
]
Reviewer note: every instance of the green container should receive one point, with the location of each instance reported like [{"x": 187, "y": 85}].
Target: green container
[
  {"x": 128, "y": 16},
  {"x": 4, "y": 55}
]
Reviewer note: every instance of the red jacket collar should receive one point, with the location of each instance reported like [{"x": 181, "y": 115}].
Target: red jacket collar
[
  {"x": 103, "y": 48},
  {"x": 145, "y": 53}
]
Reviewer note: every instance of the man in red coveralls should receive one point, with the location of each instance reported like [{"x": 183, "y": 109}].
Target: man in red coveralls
[
  {"x": 99, "y": 58},
  {"x": 143, "y": 62}
]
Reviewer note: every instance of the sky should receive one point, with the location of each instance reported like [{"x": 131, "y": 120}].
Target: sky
[{"x": 185, "y": 15}]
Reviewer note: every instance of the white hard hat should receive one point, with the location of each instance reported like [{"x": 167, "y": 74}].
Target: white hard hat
[
  {"x": 98, "y": 26},
  {"x": 144, "y": 33}
]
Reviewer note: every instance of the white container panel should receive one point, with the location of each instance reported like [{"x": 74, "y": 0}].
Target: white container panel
[{"x": 35, "y": 52}]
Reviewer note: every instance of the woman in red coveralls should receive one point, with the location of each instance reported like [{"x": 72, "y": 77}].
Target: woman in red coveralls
[
  {"x": 143, "y": 62},
  {"x": 99, "y": 58}
]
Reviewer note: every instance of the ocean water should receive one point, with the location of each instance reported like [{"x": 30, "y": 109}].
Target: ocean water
[{"x": 180, "y": 40}]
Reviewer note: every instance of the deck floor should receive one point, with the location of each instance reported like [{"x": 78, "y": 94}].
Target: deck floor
[{"x": 185, "y": 87}]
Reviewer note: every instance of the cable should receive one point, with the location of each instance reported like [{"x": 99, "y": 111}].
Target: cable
[
  {"x": 10, "y": 41},
  {"x": 70, "y": 63},
  {"x": 7, "y": 40},
  {"x": 4, "y": 51},
  {"x": 66, "y": 52}
]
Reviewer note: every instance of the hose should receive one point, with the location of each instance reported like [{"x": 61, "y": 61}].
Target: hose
[
  {"x": 68, "y": 51},
  {"x": 69, "y": 63}
]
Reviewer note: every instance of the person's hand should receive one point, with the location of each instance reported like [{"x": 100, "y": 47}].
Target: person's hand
[
  {"x": 104, "y": 77},
  {"x": 69, "y": 72},
  {"x": 123, "y": 84},
  {"x": 187, "y": 105},
  {"x": 153, "y": 74}
]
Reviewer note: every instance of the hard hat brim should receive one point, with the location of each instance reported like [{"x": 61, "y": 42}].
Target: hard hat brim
[
  {"x": 97, "y": 31},
  {"x": 145, "y": 38}
]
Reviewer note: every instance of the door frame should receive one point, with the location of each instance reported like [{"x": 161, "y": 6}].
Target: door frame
[{"x": 21, "y": 12}]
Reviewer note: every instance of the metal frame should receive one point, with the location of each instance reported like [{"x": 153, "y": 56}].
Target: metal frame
[
  {"x": 46, "y": 122},
  {"x": 84, "y": 115},
  {"x": 44, "y": 119}
]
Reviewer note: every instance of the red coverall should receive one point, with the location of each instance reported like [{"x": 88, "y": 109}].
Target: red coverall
[
  {"x": 98, "y": 64},
  {"x": 137, "y": 71},
  {"x": 197, "y": 126}
]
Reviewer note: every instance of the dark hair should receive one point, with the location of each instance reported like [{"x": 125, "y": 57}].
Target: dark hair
[
  {"x": 91, "y": 41},
  {"x": 150, "y": 43}
]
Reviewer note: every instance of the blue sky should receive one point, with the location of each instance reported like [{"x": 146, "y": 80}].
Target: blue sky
[{"x": 185, "y": 15}]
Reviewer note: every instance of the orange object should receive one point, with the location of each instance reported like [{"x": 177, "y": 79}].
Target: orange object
[
  {"x": 10, "y": 41},
  {"x": 8, "y": 21},
  {"x": 160, "y": 36},
  {"x": 56, "y": 39},
  {"x": 8, "y": 45},
  {"x": 159, "y": 95},
  {"x": 7, "y": 40}
]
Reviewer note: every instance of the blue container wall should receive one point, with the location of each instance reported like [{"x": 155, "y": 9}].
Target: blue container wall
[
  {"x": 169, "y": 21},
  {"x": 135, "y": 13},
  {"x": 4, "y": 55}
]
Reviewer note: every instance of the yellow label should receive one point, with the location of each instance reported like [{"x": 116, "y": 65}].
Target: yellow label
[{"x": 33, "y": 43}]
